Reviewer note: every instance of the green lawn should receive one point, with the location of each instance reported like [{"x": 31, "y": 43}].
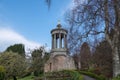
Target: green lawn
[{"x": 27, "y": 78}]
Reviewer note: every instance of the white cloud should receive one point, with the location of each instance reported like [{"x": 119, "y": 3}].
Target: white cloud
[{"x": 9, "y": 37}]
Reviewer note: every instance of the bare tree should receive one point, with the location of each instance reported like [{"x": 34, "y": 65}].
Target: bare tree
[{"x": 100, "y": 18}]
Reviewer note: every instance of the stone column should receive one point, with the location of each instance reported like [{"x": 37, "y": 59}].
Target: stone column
[
  {"x": 54, "y": 41},
  {"x": 60, "y": 41},
  {"x": 65, "y": 41}
]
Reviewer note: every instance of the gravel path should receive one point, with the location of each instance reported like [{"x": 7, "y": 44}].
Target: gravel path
[{"x": 88, "y": 78}]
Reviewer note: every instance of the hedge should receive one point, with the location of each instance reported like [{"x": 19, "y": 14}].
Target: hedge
[{"x": 64, "y": 75}]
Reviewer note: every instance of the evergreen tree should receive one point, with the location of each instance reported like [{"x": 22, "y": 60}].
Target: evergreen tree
[
  {"x": 17, "y": 48},
  {"x": 85, "y": 56}
]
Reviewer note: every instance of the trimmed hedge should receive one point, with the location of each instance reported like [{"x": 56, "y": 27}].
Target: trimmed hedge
[
  {"x": 97, "y": 77},
  {"x": 64, "y": 75}
]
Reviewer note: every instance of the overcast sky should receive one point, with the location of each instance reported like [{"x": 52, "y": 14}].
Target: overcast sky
[{"x": 29, "y": 21}]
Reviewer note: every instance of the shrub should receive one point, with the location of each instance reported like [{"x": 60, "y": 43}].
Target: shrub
[
  {"x": 25, "y": 74},
  {"x": 64, "y": 75},
  {"x": 2, "y": 73},
  {"x": 75, "y": 75},
  {"x": 91, "y": 70}
]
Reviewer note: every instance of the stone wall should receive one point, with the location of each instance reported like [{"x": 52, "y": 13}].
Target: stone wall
[{"x": 59, "y": 62}]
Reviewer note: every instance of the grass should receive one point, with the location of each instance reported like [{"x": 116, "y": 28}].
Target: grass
[
  {"x": 27, "y": 78},
  {"x": 116, "y": 78}
]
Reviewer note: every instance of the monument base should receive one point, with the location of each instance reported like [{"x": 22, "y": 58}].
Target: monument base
[{"x": 59, "y": 62}]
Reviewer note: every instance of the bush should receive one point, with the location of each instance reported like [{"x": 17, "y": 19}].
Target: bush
[
  {"x": 2, "y": 73},
  {"x": 91, "y": 70},
  {"x": 64, "y": 75},
  {"x": 75, "y": 75},
  {"x": 25, "y": 74},
  {"x": 38, "y": 73}
]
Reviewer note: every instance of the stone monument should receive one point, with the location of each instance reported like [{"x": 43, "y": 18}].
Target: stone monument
[{"x": 59, "y": 58}]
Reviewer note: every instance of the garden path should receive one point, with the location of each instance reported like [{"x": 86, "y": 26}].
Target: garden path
[{"x": 88, "y": 78}]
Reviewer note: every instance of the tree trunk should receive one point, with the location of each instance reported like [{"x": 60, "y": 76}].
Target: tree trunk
[
  {"x": 114, "y": 42},
  {"x": 14, "y": 78},
  {"x": 116, "y": 59},
  {"x": 116, "y": 62},
  {"x": 115, "y": 45}
]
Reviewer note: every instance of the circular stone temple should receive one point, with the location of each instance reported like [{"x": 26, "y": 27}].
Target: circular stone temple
[
  {"x": 59, "y": 38},
  {"x": 59, "y": 58}
]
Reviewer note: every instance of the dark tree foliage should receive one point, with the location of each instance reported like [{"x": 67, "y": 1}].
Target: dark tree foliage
[
  {"x": 102, "y": 57},
  {"x": 39, "y": 57},
  {"x": 37, "y": 61},
  {"x": 76, "y": 58},
  {"x": 17, "y": 48},
  {"x": 85, "y": 56},
  {"x": 46, "y": 56}
]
